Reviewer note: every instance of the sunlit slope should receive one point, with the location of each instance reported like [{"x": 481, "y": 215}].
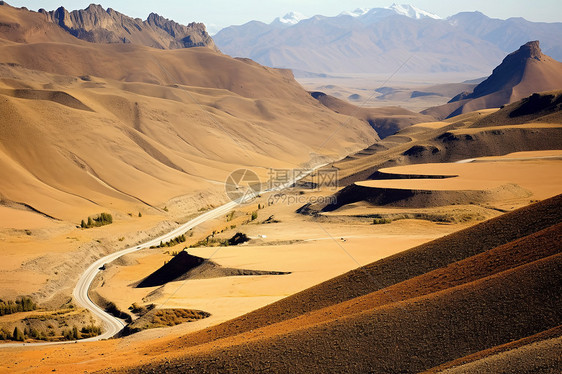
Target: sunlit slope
[
  {"x": 389, "y": 315},
  {"x": 98, "y": 140}
]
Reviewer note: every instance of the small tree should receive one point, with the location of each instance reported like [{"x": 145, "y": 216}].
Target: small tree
[
  {"x": 140, "y": 214},
  {"x": 75, "y": 333},
  {"x": 17, "y": 335},
  {"x": 90, "y": 222},
  {"x": 83, "y": 224}
]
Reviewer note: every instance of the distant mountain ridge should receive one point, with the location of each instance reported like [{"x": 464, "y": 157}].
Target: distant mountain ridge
[
  {"x": 292, "y": 18},
  {"x": 98, "y": 25},
  {"x": 377, "y": 40}
]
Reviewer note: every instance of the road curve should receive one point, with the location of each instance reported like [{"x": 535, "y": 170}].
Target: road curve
[{"x": 111, "y": 324}]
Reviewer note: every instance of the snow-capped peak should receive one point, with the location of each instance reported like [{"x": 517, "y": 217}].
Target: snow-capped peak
[
  {"x": 291, "y": 18},
  {"x": 356, "y": 13},
  {"x": 411, "y": 11}
]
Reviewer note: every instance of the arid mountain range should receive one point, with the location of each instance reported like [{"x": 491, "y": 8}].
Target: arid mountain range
[
  {"x": 98, "y": 25},
  {"x": 380, "y": 40},
  {"x": 415, "y": 241}
]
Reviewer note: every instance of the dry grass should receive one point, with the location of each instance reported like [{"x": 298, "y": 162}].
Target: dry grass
[
  {"x": 164, "y": 318},
  {"x": 501, "y": 291}
]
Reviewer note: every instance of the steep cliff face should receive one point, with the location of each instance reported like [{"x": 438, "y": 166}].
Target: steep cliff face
[
  {"x": 98, "y": 25},
  {"x": 511, "y": 71},
  {"x": 192, "y": 35}
]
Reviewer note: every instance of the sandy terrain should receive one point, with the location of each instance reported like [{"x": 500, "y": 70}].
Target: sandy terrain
[
  {"x": 126, "y": 129},
  {"x": 150, "y": 136},
  {"x": 541, "y": 176},
  {"x": 431, "y": 281},
  {"x": 316, "y": 254},
  {"x": 532, "y": 124}
]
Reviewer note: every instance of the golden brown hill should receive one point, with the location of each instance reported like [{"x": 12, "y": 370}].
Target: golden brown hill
[
  {"x": 386, "y": 121},
  {"x": 544, "y": 107},
  {"x": 531, "y": 124},
  {"x": 90, "y": 127},
  {"x": 521, "y": 74},
  {"x": 407, "y": 313}
]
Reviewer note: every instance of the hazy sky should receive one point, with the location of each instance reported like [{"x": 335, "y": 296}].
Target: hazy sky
[{"x": 221, "y": 13}]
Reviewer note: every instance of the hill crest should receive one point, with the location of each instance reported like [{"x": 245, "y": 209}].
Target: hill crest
[{"x": 521, "y": 73}]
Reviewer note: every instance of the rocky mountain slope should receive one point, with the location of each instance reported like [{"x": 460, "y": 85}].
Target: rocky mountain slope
[{"x": 98, "y": 25}]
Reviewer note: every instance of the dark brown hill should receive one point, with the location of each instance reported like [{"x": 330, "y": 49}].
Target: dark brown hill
[{"x": 410, "y": 312}]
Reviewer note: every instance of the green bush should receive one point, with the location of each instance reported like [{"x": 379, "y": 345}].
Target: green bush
[
  {"x": 381, "y": 221},
  {"x": 23, "y": 304},
  {"x": 18, "y": 335},
  {"x": 90, "y": 330},
  {"x": 175, "y": 241},
  {"x": 101, "y": 220}
]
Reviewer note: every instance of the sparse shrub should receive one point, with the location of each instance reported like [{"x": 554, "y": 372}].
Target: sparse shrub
[
  {"x": 75, "y": 333},
  {"x": 90, "y": 331},
  {"x": 18, "y": 335},
  {"x": 381, "y": 221},
  {"x": 101, "y": 220},
  {"x": 67, "y": 335},
  {"x": 175, "y": 241},
  {"x": 23, "y": 304}
]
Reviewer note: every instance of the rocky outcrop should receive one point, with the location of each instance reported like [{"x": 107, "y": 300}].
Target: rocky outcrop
[
  {"x": 510, "y": 72},
  {"x": 98, "y": 25},
  {"x": 521, "y": 73},
  {"x": 192, "y": 35}
]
